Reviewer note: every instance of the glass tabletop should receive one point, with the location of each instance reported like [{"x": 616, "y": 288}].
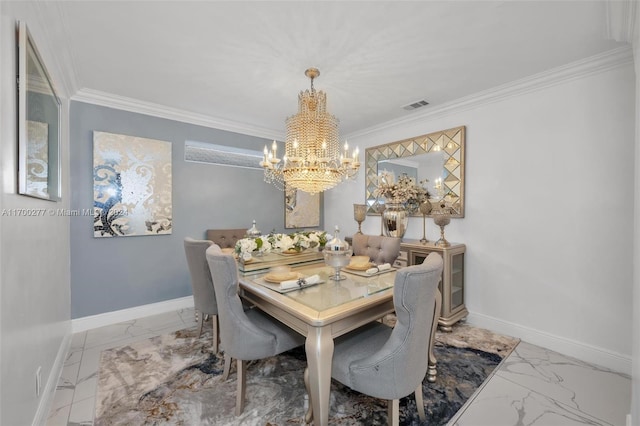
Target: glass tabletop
[{"x": 328, "y": 293}]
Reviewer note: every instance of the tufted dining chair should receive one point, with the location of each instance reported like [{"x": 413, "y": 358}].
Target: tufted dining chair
[
  {"x": 380, "y": 249},
  {"x": 225, "y": 238},
  {"x": 204, "y": 297},
  {"x": 390, "y": 363},
  {"x": 245, "y": 335}
]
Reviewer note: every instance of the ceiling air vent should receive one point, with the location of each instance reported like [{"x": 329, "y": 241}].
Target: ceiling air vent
[{"x": 415, "y": 105}]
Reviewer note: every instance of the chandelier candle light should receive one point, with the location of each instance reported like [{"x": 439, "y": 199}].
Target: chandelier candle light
[{"x": 313, "y": 161}]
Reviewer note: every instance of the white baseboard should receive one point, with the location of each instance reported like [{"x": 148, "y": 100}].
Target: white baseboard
[
  {"x": 109, "y": 318},
  {"x": 591, "y": 354},
  {"x": 46, "y": 402},
  {"x": 594, "y": 355}
]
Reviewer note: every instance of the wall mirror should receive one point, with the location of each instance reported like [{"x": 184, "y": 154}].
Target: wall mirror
[
  {"x": 437, "y": 157},
  {"x": 38, "y": 123}
]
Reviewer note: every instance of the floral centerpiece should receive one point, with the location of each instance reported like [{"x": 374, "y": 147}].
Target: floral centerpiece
[
  {"x": 293, "y": 243},
  {"x": 249, "y": 245},
  {"x": 317, "y": 238},
  {"x": 405, "y": 191}
]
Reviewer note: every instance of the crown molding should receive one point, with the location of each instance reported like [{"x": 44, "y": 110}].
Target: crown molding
[
  {"x": 605, "y": 61},
  {"x": 621, "y": 20},
  {"x": 596, "y": 64},
  {"x": 148, "y": 108}
]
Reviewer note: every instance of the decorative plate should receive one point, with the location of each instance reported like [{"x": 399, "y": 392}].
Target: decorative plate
[
  {"x": 359, "y": 267},
  {"x": 278, "y": 278}
]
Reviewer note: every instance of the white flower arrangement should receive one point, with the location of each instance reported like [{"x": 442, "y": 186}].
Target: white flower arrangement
[
  {"x": 318, "y": 238},
  {"x": 245, "y": 245},
  {"x": 297, "y": 241},
  {"x": 249, "y": 245},
  {"x": 300, "y": 242},
  {"x": 283, "y": 241}
]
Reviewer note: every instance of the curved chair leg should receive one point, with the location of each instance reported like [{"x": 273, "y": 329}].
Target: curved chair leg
[
  {"x": 242, "y": 385},
  {"x": 420, "y": 403},
  {"x": 393, "y": 412},
  {"x": 227, "y": 367},
  {"x": 308, "y": 417},
  {"x": 215, "y": 333},
  {"x": 432, "y": 372},
  {"x": 200, "y": 320}
]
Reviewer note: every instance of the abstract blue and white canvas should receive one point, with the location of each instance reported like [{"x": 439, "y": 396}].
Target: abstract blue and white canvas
[{"x": 131, "y": 186}]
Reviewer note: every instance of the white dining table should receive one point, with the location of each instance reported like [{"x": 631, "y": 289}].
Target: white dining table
[{"x": 323, "y": 312}]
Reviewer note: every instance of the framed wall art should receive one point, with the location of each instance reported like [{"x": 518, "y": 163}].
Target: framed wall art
[
  {"x": 301, "y": 209},
  {"x": 131, "y": 186}
]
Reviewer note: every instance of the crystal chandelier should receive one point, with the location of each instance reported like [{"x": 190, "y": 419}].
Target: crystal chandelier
[{"x": 313, "y": 161}]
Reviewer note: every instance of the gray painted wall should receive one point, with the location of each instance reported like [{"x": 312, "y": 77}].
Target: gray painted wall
[{"x": 109, "y": 274}]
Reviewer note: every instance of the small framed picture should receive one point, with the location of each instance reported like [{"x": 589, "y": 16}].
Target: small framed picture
[{"x": 301, "y": 209}]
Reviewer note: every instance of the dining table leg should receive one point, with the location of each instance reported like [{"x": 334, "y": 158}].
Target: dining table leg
[{"x": 319, "y": 349}]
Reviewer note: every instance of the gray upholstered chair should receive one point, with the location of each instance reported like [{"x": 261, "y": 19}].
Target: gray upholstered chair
[
  {"x": 380, "y": 249},
  {"x": 390, "y": 363},
  {"x": 204, "y": 297},
  {"x": 245, "y": 335},
  {"x": 225, "y": 238}
]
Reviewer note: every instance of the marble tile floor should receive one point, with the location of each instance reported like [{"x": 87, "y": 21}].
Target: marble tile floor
[{"x": 533, "y": 386}]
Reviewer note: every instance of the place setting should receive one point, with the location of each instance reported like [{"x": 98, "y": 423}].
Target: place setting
[
  {"x": 362, "y": 266},
  {"x": 283, "y": 280}
]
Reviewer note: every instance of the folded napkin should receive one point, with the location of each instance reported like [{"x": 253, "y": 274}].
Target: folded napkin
[
  {"x": 301, "y": 282},
  {"x": 378, "y": 268}
]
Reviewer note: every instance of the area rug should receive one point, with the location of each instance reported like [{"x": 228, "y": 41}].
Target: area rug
[{"x": 175, "y": 379}]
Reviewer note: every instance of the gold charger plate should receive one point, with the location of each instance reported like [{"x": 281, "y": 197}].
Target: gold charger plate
[
  {"x": 359, "y": 267},
  {"x": 278, "y": 278},
  {"x": 291, "y": 252}
]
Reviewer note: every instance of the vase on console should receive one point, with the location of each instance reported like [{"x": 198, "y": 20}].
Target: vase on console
[
  {"x": 442, "y": 219},
  {"x": 395, "y": 218}
]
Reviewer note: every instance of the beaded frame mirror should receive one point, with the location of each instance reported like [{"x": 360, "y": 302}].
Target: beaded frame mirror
[{"x": 438, "y": 157}]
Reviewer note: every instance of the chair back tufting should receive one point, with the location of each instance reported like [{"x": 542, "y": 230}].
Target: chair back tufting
[
  {"x": 380, "y": 249},
  {"x": 225, "y": 238}
]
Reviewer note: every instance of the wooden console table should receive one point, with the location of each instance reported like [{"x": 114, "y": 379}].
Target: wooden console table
[{"x": 414, "y": 252}]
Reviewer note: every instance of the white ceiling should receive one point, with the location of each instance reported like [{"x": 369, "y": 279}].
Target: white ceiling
[{"x": 244, "y": 62}]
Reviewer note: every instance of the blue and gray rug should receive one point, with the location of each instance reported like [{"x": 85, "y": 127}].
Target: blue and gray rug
[{"x": 175, "y": 379}]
